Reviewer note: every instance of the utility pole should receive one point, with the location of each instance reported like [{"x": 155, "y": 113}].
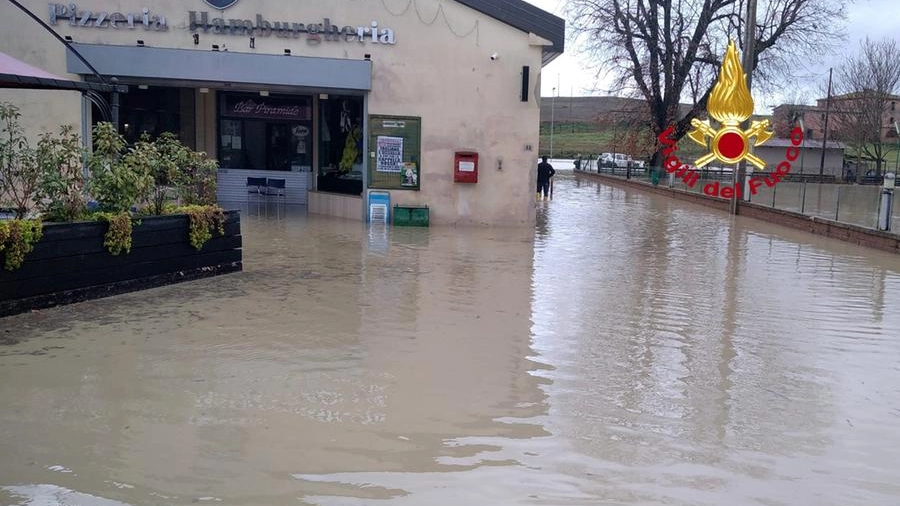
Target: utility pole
[
  {"x": 552, "y": 119},
  {"x": 571, "y": 121},
  {"x": 825, "y": 136},
  {"x": 897, "y": 129},
  {"x": 749, "y": 49}
]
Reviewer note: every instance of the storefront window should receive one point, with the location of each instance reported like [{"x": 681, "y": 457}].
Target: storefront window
[
  {"x": 155, "y": 110},
  {"x": 265, "y": 133},
  {"x": 340, "y": 145}
]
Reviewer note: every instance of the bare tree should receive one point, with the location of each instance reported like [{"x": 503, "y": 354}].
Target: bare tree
[
  {"x": 789, "y": 114},
  {"x": 866, "y": 85},
  {"x": 628, "y": 124},
  {"x": 667, "y": 51}
]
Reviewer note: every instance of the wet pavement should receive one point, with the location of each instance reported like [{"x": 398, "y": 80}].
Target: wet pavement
[{"x": 628, "y": 350}]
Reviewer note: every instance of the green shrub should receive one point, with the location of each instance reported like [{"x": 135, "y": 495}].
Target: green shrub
[
  {"x": 18, "y": 169},
  {"x": 196, "y": 180},
  {"x": 177, "y": 172},
  {"x": 17, "y": 239},
  {"x": 204, "y": 220},
  {"x": 171, "y": 155},
  {"x": 118, "y": 235},
  {"x": 59, "y": 195},
  {"x": 118, "y": 181}
]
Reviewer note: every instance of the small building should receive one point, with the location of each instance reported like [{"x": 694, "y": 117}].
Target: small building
[
  {"x": 841, "y": 113},
  {"x": 337, "y": 98},
  {"x": 774, "y": 151}
]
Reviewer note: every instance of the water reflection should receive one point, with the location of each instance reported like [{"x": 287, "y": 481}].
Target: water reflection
[
  {"x": 713, "y": 341},
  {"x": 629, "y": 349},
  {"x": 339, "y": 348}
]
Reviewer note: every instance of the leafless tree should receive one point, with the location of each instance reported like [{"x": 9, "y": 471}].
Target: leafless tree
[
  {"x": 789, "y": 114},
  {"x": 865, "y": 87},
  {"x": 667, "y": 51}
]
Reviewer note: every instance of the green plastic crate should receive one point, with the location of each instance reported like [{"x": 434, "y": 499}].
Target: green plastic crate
[{"x": 410, "y": 216}]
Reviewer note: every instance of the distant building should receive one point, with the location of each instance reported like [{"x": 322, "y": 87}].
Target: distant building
[
  {"x": 774, "y": 151},
  {"x": 813, "y": 116}
]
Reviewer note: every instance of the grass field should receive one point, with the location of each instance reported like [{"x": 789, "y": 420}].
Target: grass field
[
  {"x": 572, "y": 139},
  {"x": 890, "y": 157}
]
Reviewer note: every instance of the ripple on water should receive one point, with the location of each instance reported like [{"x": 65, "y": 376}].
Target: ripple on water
[
  {"x": 630, "y": 349},
  {"x": 52, "y": 495}
]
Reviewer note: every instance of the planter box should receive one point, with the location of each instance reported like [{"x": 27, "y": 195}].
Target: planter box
[{"x": 70, "y": 264}]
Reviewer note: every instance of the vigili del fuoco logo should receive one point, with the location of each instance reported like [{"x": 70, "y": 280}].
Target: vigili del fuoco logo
[{"x": 730, "y": 104}]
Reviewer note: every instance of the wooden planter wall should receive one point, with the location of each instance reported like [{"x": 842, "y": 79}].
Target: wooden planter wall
[{"x": 71, "y": 264}]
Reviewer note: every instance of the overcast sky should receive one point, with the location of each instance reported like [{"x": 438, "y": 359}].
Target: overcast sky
[{"x": 873, "y": 18}]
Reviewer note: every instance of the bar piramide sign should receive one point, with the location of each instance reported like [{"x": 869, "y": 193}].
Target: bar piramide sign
[
  {"x": 201, "y": 21},
  {"x": 271, "y": 108}
]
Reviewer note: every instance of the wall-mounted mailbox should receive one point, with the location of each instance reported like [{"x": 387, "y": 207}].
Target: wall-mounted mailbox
[{"x": 465, "y": 167}]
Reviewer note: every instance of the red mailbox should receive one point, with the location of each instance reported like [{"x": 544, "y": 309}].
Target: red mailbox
[{"x": 465, "y": 167}]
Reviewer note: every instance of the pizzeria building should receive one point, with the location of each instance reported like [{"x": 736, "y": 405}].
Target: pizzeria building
[{"x": 431, "y": 102}]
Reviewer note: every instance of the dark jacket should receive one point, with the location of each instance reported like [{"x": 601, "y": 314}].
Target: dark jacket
[{"x": 545, "y": 172}]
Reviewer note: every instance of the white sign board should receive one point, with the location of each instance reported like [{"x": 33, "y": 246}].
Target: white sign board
[
  {"x": 467, "y": 166},
  {"x": 389, "y": 157}
]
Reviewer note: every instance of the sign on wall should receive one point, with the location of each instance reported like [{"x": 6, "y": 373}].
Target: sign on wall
[
  {"x": 260, "y": 26},
  {"x": 389, "y": 153},
  {"x": 249, "y": 106},
  {"x": 319, "y": 30},
  {"x": 395, "y": 152},
  {"x": 106, "y": 19}
]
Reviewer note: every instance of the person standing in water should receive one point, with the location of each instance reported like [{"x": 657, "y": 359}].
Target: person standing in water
[{"x": 544, "y": 173}]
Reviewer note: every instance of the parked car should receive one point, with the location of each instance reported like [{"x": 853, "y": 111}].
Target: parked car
[
  {"x": 606, "y": 160},
  {"x": 617, "y": 160}
]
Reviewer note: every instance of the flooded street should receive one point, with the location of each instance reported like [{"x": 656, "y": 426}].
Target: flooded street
[{"x": 628, "y": 350}]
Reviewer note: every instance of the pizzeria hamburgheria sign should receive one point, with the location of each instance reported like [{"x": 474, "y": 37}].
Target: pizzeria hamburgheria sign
[
  {"x": 202, "y": 21},
  {"x": 261, "y": 27},
  {"x": 106, "y": 19}
]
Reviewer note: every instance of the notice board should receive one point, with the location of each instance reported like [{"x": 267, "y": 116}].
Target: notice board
[{"x": 395, "y": 152}]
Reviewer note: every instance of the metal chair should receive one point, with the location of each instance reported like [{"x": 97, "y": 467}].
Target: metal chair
[
  {"x": 275, "y": 188},
  {"x": 256, "y": 186}
]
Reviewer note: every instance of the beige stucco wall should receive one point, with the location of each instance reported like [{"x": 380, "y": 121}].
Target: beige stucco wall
[
  {"x": 439, "y": 69},
  {"x": 22, "y": 38}
]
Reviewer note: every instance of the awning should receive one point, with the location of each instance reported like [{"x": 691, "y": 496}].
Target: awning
[
  {"x": 149, "y": 64},
  {"x": 15, "y": 73}
]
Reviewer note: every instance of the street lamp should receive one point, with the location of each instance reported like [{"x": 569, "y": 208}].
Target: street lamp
[{"x": 552, "y": 114}]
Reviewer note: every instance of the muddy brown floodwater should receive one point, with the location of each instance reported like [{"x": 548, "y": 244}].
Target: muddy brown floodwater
[{"x": 627, "y": 350}]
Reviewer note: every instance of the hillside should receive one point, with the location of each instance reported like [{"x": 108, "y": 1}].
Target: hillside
[
  {"x": 586, "y": 109},
  {"x": 591, "y": 125}
]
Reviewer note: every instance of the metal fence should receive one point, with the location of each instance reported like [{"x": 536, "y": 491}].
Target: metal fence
[{"x": 847, "y": 203}]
